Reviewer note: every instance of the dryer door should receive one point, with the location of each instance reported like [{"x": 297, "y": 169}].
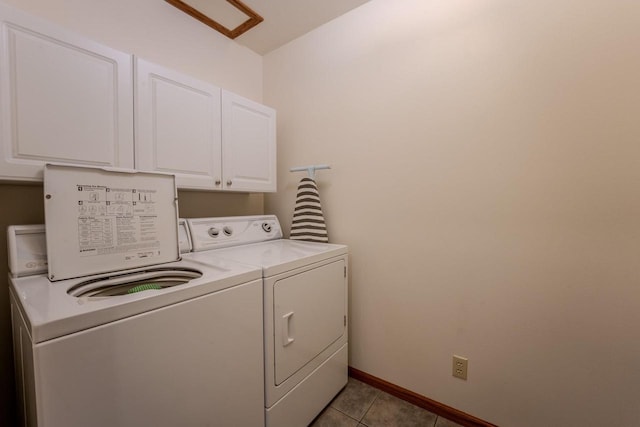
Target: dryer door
[{"x": 309, "y": 315}]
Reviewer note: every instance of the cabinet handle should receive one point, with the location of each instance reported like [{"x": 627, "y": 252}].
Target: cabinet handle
[
  {"x": 229, "y": 182},
  {"x": 218, "y": 182}
]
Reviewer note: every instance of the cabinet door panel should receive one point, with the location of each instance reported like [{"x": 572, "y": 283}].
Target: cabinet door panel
[
  {"x": 177, "y": 126},
  {"x": 248, "y": 144},
  {"x": 64, "y": 99}
]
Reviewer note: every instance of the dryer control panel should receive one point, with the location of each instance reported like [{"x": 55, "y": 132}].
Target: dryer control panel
[{"x": 215, "y": 233}]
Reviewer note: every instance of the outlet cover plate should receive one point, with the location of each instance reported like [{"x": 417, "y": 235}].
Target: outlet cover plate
[{"x": 460, "y": 367}]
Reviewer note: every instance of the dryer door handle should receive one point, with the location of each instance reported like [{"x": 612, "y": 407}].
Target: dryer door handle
[{"x": 287, "y": 329}]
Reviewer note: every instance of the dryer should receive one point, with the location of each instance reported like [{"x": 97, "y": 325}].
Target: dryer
[
  {"x": 161, "y": 343},
  {"x": 305, "y": 311}
]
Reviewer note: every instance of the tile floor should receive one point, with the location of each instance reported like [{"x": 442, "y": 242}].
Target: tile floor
[{"x": 359, "y": 404}]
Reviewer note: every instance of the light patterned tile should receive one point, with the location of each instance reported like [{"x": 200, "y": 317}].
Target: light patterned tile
[
  {"x": 389, "y": 411},
  {"x": 333, "y": 418},
  {"x": 355, "y": 399},
  {"x": 443, "y": 422}
]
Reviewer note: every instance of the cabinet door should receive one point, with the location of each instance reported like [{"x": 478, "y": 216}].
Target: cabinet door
[
  {"x": 177, "y": 126},
  {"x": 63, "y": 99},
  {"x": 248, "y": 144}
]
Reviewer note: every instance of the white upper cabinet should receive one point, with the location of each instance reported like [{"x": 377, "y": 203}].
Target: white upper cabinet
[
  {"x": 209, "y": 141},
  {"x": 63, "y": 99},
  {"x": 248, "y": 144},
  {"x": 67, "y": 99},
  {"x": 177, "y": 126}
]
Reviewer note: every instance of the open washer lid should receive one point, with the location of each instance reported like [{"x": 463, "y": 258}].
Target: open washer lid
[{"x": 102, "y": 220}]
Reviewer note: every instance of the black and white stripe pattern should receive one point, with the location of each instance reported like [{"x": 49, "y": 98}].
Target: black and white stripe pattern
[{"x": 308, "y": 220}]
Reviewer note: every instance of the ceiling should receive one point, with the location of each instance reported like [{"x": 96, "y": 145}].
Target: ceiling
[{"x": 285, "y": 20}]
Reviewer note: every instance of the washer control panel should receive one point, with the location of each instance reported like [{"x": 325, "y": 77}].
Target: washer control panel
[
  {"x": 213, "y": 233},
  {"x": 27, "y": 250}
]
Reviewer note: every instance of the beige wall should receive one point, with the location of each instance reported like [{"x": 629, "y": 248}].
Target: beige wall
[
  {"x": 160, "y": 33},
  {"x": 486, "y": 176},
  {"x": 198, "y": 204}
]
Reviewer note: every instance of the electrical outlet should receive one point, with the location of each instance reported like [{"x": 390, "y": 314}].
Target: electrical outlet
[{"x": 460, "y": 367}]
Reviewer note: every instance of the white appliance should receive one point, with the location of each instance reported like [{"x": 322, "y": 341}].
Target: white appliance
[
  {"x": 184, "y": 348},
  {"x": 305, "y": 311}
]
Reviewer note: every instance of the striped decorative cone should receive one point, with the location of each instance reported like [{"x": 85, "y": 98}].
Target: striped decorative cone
[{"x": 308, "y": 221}]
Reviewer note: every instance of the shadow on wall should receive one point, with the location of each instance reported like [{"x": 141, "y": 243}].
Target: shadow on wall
[{"x": 23, "y": 205}]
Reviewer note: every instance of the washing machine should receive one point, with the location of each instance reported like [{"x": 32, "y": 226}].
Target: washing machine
[
  {"x": 305, "y": 311},
  {"x": 112, "y": 327}
]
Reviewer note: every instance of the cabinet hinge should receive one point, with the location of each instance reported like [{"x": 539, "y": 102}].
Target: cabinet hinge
[
  {"x": 345, "y": 320},
  {"x": 345, "y": 271}
]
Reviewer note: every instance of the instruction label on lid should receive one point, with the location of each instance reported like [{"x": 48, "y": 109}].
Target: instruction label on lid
[
  {"x": 114, "y": 220},
  {"x": 101, "y": 221}
]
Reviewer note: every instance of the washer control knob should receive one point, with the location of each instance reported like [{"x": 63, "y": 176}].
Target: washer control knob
[
  {"x": 213, "y": 232},
  {"x": 227, "y": 230},
  {"x": 266, "y": 227}
]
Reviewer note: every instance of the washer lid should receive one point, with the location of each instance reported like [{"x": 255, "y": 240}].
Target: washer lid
[{"x": 102, "y": 220}]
